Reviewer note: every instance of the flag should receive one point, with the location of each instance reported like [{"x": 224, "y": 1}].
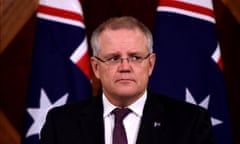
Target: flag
[
  {"x": 60, "y": 70},
  {"x": 189, "y": 66}
]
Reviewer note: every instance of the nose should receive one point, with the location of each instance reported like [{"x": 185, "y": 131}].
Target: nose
[
  {"x": 122, "y": 60},
  {"x": 124, "y": 65}
]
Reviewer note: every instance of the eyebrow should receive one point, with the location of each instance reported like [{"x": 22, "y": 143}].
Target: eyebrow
[{"x": 119, "y": 54}]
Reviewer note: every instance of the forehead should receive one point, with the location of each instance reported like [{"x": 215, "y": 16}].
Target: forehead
[
  {"x": 110, "y": 31},
  {"x": 122, "y": 40}
]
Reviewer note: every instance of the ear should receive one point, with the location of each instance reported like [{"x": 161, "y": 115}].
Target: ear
[
  {"x": 95, "y": 68},
  {"x": 152, "y": 61}
]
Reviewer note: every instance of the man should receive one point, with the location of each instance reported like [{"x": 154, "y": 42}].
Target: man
[{"x": 123, "y": 60}]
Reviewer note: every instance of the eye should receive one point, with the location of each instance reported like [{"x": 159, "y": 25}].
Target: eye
[
  {"x": 113, "y": 59},
  {"x": 135, "y": 58}
]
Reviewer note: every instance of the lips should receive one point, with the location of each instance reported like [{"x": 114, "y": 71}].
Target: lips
[{"x": 125, "y": 80}]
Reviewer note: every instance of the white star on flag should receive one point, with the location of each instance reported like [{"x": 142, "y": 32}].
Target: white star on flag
[
  {"x": 204, "y": 104},
  {"x": 39, "y": 114}
]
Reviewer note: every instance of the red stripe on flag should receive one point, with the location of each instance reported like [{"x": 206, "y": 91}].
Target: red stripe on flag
[
  {"x": 84, "y": 65},
  {"x": 219, "y": 63},
  {"x": 186, "y": 6},
  {"x": 60, "y": 13}
]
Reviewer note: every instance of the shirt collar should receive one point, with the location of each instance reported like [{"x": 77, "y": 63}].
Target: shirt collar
[
  {"x": 107, "y": 106},
  {"x": 136, "y": 107}
]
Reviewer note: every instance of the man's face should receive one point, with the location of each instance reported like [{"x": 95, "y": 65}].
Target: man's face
[{"x": 124, "y": 82}]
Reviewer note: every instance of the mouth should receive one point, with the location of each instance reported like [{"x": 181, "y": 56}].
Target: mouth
[{"x": 124, "y": 81}]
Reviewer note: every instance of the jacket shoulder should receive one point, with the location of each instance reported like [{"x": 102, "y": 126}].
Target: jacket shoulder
[
  {"x": 75, "y": 108},
  {"x": 173, "y": 105}
]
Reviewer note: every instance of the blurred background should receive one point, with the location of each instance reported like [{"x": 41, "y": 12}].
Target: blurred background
[{"x": 17, "y": 31}]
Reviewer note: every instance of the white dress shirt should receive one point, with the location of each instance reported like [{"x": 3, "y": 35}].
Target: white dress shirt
[{"x": 131, "y": 122}]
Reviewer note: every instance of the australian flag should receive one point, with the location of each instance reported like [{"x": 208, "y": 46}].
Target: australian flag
[
  {"x": 60, "y": 67},
  {"x": 188, "y": 66}
]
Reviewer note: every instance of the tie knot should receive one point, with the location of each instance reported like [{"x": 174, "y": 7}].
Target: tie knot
[
  {"x": 119, "y": 134},
  {"x": 121, "y": 113}
]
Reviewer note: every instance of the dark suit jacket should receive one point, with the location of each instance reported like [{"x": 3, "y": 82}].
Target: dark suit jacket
[{"x": 164, "y": 121}]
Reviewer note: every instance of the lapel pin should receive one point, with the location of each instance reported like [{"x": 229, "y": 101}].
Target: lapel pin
[{"x": 157, "y": 124}]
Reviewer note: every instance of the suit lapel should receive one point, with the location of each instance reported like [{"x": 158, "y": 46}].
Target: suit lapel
[
  {"x": 151, "y": 128},
  {"x": 152, "y": 125},
  {"x": 92, "y": 122}
]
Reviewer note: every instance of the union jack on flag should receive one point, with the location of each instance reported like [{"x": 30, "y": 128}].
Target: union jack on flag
[
  {"x": 188, "y": 65},
  {"x": 60, "y": 70}
]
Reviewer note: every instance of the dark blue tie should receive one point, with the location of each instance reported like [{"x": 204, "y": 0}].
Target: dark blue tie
[{"x": 119, "y": 134}]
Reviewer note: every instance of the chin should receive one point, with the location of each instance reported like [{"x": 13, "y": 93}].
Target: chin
[{"x": 126, "y": 92}]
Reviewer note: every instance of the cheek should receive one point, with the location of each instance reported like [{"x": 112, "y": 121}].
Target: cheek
[
  {"x": 106, "y": 73},
  {"x": 144, "y": 74},
  {"x": 144, "y": 70}
]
